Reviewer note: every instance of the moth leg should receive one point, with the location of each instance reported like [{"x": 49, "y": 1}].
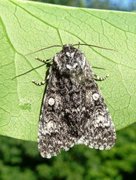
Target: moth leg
[
  {"x": 48, "y": 64},
  {"x": 95, "y": 67},
  {"x": 47, "y": 61},
  {"x": 42, "y": 82},
  {"x": 97, "y": 78},
  {"x": 39, "y": 83}
]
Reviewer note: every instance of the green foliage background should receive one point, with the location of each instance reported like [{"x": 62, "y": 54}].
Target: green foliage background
[{"x": 21, "y": 160}]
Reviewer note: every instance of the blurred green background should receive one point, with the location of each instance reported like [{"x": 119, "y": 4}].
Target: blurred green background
[{"x": 21, "y": 160}]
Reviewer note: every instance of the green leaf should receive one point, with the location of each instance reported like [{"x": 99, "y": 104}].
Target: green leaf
[{"x": 28, "y": 26}]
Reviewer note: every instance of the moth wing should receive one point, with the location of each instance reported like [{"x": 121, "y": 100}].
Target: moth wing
[
  {"x": 98, "y": 130},
  {"x": 53, "y": 138},
  {"x": 54, "y": 131}
]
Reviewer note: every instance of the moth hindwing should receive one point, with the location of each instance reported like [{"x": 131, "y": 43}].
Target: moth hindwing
[{"x": 73, "y": 110}]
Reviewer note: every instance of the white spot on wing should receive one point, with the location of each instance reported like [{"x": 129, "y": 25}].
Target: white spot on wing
[
  {"x": 95, "y": 96},
  {"x": 68, "y": 66},
  {"x": 51, "y": 101}
]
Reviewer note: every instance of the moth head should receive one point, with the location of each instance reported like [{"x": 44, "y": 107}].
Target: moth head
[{"x": 70, "y": 60}]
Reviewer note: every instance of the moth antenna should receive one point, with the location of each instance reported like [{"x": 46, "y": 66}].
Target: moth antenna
[
  {"x": 43, "y": 49},
  {"x": 28, "y": 71},
  {"x": 91, "y": 45},
  {"x": 83, "y": 44}
]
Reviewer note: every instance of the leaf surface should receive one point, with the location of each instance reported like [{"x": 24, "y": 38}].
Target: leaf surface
[{"x": 28, "y": 26}]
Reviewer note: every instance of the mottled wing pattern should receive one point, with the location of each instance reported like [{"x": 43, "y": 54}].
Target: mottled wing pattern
[
  {"x": 73, "y": 111},
  {"x": 57, "y": 127},
  {"x": 98, "y": 128},
  {"x": 53, "y": 129}
]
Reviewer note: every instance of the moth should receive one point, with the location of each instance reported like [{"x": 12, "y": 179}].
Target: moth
[{"x": 73, "y": 110}]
